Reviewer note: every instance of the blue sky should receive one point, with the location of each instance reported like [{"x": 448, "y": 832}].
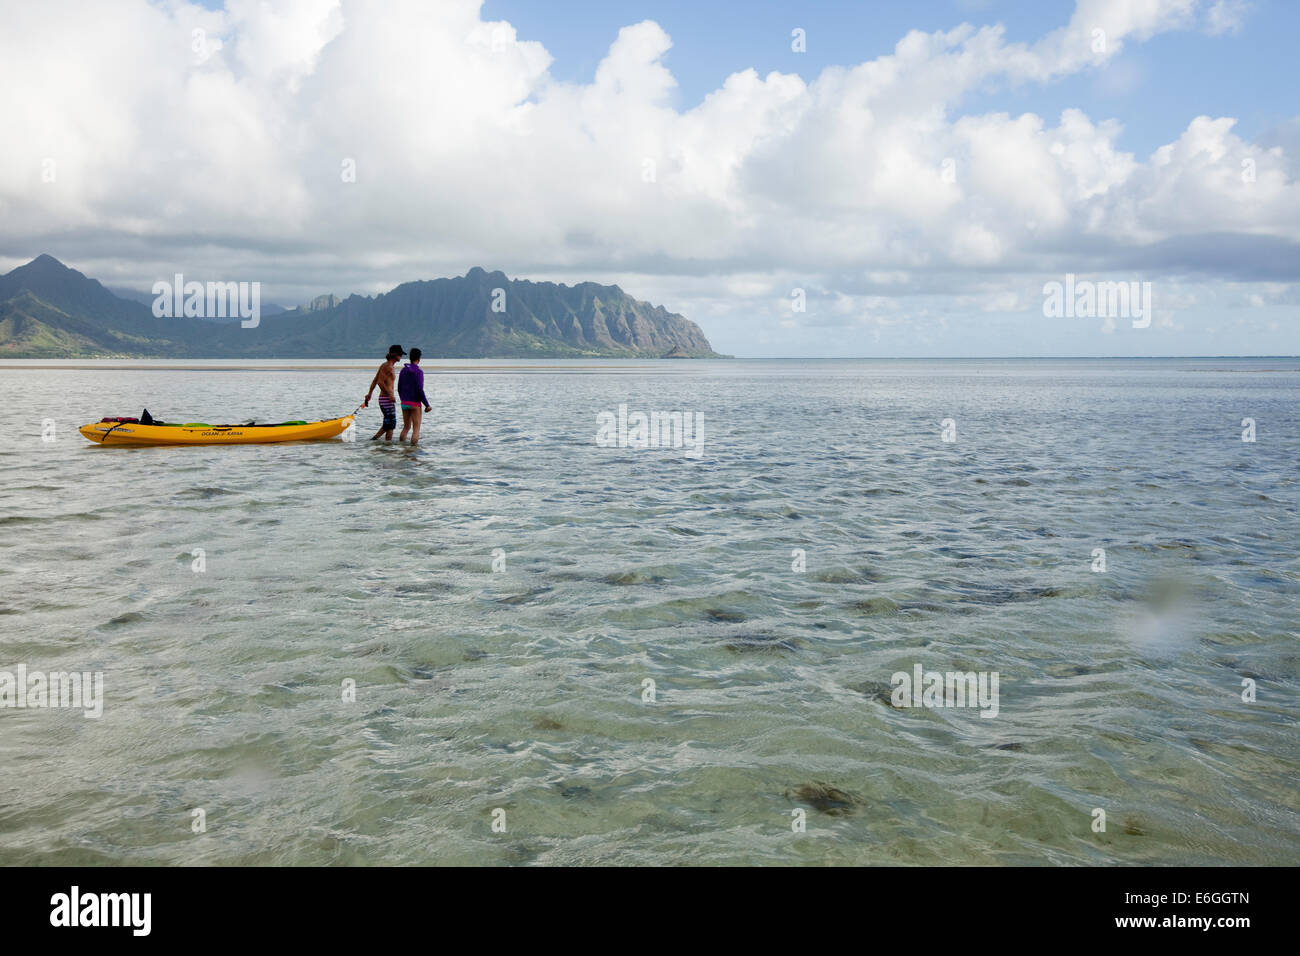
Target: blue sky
[
  {"x": 906, "y": 186},
  {"x": 1169, "y": 79}
]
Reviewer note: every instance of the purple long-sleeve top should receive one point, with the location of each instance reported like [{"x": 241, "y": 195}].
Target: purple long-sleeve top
[{"x": 410, "y": 384}]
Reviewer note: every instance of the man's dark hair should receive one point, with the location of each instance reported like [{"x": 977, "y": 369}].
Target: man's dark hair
[{"x": 415, "y": 355}]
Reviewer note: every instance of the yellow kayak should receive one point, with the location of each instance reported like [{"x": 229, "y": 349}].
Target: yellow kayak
[{"x": 110, "y": 432}]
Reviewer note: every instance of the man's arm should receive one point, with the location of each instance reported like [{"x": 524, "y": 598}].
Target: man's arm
[{"x": 373, "y": 382}]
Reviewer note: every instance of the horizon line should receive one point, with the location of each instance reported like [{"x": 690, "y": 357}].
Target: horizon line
[{"x": 12, "y": 362}]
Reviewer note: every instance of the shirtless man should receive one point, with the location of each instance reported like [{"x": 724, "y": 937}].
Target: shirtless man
[{"x": 385, "y": 378}]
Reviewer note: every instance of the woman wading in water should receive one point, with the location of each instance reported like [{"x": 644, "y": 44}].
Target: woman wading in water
[{"x": 410, "y": 390}]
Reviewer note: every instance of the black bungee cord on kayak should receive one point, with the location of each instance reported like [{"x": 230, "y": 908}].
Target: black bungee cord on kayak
[{"x": 109, "y": 432}]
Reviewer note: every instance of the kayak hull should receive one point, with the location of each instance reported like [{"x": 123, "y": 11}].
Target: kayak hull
[{"x": 133, "y": 433}]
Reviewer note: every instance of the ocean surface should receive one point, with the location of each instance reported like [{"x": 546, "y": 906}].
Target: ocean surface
[{"x": 503, "y": 595}]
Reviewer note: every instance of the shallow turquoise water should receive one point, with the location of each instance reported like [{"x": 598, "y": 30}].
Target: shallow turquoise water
[{"x": 523, "y": 689}]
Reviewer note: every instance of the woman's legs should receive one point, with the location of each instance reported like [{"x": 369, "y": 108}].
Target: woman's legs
[
  {"x": 417, "y": 415},
  {"x": 406, "y": 423}
]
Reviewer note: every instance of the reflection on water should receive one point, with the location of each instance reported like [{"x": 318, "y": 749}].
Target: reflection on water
[{"x": 672, "y": 654}]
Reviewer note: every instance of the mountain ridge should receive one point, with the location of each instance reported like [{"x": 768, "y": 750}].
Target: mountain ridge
[{"x": 49, "y": 310}]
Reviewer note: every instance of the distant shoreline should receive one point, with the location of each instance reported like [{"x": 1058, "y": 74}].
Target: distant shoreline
[
  {"x": 108, "y": 365},
  {"x": 432, "y": 364}
]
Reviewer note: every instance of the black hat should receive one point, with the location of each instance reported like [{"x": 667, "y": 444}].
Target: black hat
[{"x": 395, "y": 350}]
